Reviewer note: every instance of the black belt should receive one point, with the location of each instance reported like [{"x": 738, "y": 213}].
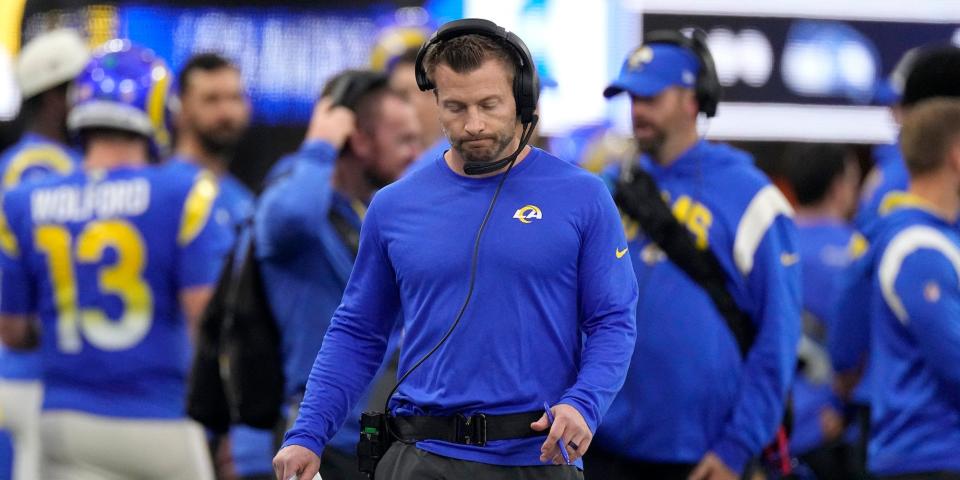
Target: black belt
[{"x": 474, "y": 430}]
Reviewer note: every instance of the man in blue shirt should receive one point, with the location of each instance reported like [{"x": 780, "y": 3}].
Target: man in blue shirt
[
  {"x": 551, "y": 316},
  {"x": 824, "y": 179},
  {"x": 44, "y": 69},
  {"x": 114, "y": 264},
  {"x": 307, "y": 229},
  {"x": 913, "y": 303},
  {"x": 214, "y": 115},
  {"x": 691, "y": 405}
]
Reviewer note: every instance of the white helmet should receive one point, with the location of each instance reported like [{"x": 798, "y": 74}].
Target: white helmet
[{"x": 50, "y": 59}]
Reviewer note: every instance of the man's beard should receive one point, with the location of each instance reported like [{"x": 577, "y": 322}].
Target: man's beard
[
  {"x": 221, "y": 141},
  {"x": 500, "y": 143},
  {"x": 651, "y": 145}
]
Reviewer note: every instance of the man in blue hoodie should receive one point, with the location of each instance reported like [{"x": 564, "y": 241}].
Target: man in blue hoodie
[
  {"x": 913, "y": 301},
  {"x": 551, "y": 320},
  {"x": 691, "y": 406}
]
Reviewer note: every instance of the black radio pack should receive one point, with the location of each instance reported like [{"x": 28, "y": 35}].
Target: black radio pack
[{"x": 374, "y": 442}]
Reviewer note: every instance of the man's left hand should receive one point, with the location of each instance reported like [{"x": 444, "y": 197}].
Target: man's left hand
[
  {"x": 712, "y": 468},
  {"x": 568, "y": 426}
]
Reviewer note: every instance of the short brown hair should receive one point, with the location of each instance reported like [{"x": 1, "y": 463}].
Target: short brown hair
[
  {"x": 929, "y": 130},
  {"x": 203, "y": 62},
  {"x": 466, "y": 53}
]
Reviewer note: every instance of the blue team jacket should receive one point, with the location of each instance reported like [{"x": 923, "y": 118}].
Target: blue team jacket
[
  {"x": 911, "y": 293},
  {"x": 688, "y": 390}
]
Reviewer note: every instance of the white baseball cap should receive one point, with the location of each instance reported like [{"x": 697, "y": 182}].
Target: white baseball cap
[{"x": 50, "y": 59}]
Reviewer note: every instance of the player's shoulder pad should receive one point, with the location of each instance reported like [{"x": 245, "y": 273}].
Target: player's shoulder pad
[
  {"x": 50, "y": 156},
  {"x": 198, "y": 201}
]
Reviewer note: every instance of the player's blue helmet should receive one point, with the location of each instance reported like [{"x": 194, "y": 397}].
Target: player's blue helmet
[{"x": 124, "y": 87}]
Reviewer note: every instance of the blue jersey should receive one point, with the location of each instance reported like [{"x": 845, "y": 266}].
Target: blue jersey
[
  {"x": 305, "y": 263},
  {"x": 688, "y": 390},
  {"x": 914, "y": 311},
  {"x": 889, "y": 174},
  {"x": 101, "y": 257},
  {"x": 826, "y": 249},
  {"x": 551, "y": 317},
  {"x": 235, "y": 204},
  {"x": 31, "y": 158},
  {"x": 35, "y": 157}
]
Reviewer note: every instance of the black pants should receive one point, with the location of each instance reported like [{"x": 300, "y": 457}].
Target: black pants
[
  {"x": 337, "y": 465},
  {"x": 601, "y": 465},
  {"x": 407, "y": 462},
  {"x": 924, "y": 476}
]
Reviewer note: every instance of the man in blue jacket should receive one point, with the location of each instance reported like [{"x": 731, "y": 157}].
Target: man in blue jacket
[
  {"x": 933, "y": 72},
  {"x": 308, "y": 223},
  {"x": 551, "y": 320},
  {"x": 691, "y": 406},
  {"x": 913, "y": 302}
]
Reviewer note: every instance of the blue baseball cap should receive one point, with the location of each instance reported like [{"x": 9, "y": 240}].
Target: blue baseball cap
[{"x": 651, "y": 68}]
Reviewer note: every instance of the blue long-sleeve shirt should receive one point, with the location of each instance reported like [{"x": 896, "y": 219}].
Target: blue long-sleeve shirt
[
  {"x": 551, "y": 317},
  {"x": 688, "y": 390},
  {"x": 914, "y": 344}
]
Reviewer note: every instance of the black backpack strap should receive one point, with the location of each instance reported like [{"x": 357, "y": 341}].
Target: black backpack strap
[{"x": 640, "y": 198}]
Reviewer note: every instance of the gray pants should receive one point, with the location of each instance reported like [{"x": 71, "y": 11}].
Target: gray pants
[{"x": 407, "y": 462}]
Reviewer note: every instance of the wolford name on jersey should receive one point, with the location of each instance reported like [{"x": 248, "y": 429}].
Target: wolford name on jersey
[{"x": 71, "y": 203}]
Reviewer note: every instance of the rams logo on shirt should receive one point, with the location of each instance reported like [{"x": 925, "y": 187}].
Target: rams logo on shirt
[{"x": 528, "y": 213}]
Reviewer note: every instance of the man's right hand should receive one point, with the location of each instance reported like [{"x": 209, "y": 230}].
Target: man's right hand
[
  {"x": 332, "y": 124},
  {"x": 296, "y": 462}
]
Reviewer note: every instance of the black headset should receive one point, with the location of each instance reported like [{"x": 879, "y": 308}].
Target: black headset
[
  {"x": 526, "y": 85},
  {"x": 348, "y": 87},
  {"x": 708, "y": 88}
]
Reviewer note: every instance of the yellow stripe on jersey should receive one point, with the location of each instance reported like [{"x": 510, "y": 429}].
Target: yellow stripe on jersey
[
  {"x": 197, "y": 207},
  {"x": 47, "y": 156},
  {"x": 896, "y": 200},
  {"x": 157, "y": 103},
  {"x": 8, "y": 242}
]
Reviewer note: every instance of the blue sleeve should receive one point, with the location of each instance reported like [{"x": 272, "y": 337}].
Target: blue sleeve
[
  {"x": 608, "y": 300},
  {"x": 202, "y": 241},
  {"x": 16, "y": 290},
  {"x": 770, "y": 364},
  {"x": 927, "y": 286},
  {"x": 354, "y": 346},
  {"x": 285, "y": 215},
  {"x": 849, "y": 336}
]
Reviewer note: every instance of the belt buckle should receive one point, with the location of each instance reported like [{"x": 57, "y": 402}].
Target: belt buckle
[{"x": 472, "y": 430}]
